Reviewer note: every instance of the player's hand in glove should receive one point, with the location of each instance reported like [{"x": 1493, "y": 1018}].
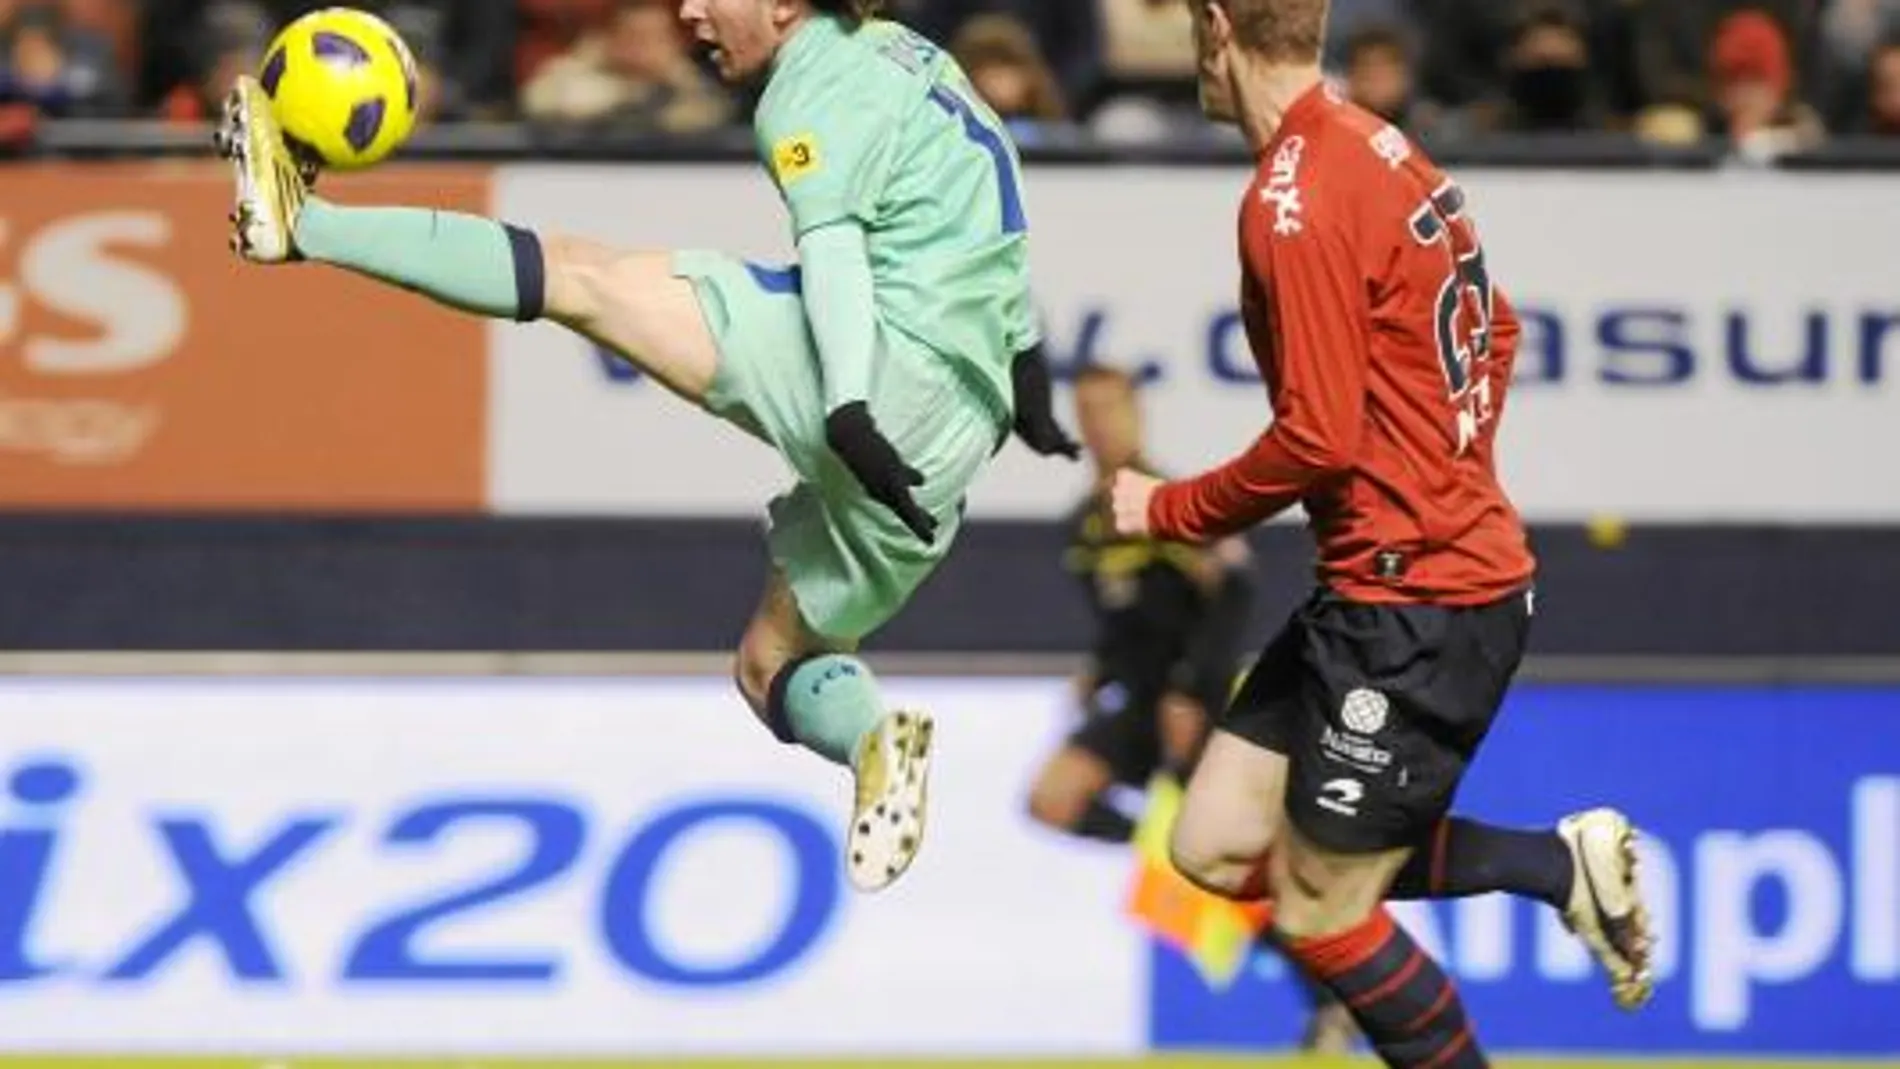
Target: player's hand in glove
[
  {"x": 854, "y": 437},
  {"x": 1035, "y": 415}
]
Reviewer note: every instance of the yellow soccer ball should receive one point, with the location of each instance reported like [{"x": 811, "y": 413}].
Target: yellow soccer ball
[{"x": 343, "y": 87}]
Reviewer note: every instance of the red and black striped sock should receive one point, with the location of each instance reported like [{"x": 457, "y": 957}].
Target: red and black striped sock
[{"x": 1404, "y": 1003}]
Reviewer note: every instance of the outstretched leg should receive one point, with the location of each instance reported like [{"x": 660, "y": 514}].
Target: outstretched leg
[
  {"x": 1585, "y": 868},
  {"x": 812, "y": 691},
  {"x": 630, "y": 302},
  {"x": 1233, "y": 815}
]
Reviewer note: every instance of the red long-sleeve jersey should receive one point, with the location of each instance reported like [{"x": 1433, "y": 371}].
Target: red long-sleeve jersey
[{"x": 1386, "y": 352}]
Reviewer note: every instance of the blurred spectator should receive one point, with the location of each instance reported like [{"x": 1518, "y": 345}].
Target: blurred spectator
[
  {"x": 465, "y": 49},
  {"x": 636, "y": 73},
  {"x": 1437, "y": 67},
  {"x": 1465, "y": 41},
  {"x": 1346, "y": 19},
  {"x": 1148, "y": 41},
  {"x": 1880, "y": 114},
  {"x": 1548, "y": 87},
  {"x": 1379, "y": 76},
  {"x": 1149, "y": 86},
  {"x": 1009, "y": 73},
  {"x": 550, "y": 28},
  {"x": 114, "y": 24},
  {"x": 1672, "y": 40},
  {"x": 167, "y": 32},
  {"x": 1067, "y": 33},
  {"x": 1752, "y": 78},
  {"x": 1854, "y": 32},
  {"x": 194, "y": 48},
  {"x": 57, "y": 68},
  {"x": 1467, "y": 44},
  {"x": 1853, "y": 29}
]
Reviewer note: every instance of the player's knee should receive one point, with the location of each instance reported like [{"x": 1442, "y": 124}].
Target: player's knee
[
  {"x": 1196, "y": 862},
  {"x": 1319, "y": 896},
  {"x": 1215, "y": 866},
  {"x": 752, "y": 673}
]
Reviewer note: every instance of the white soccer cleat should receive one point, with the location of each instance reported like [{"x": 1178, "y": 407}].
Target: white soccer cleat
[
  {"x": 887, "y": 822},
  {"x": 1606, "y": 906},
  {"x": 270, "y": 182}
]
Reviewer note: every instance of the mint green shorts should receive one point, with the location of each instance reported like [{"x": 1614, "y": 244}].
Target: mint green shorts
[{"x": 850, "y": 562}]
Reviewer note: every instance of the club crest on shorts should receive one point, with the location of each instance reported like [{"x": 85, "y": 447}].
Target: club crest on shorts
[{"x": 1364, "y": 711}]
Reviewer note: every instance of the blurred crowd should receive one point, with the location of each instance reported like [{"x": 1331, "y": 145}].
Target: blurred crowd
[{"x": 1763, "y": 76}]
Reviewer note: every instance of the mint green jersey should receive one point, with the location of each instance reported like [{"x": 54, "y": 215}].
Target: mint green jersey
[{"x": 878, "y": 125}]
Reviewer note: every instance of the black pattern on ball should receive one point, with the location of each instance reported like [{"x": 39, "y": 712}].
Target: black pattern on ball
[
  {"x": 337, "y": 49},
  {"x": 273, "y": 72},
  {"x": 366, "y": 121}
]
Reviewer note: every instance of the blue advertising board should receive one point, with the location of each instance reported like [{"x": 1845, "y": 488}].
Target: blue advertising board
[{"x": 1772, "y": 826}]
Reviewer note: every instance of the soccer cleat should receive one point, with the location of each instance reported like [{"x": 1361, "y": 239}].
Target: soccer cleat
[
  {"x": 1606, "y": 906},
  {"x": 270, "y": 181},
  {"x": 887, "y": 822}
]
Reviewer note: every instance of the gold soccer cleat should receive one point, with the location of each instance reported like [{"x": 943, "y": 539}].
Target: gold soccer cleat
[
  {"x": 887, "y": 822},
  {"x": 270, "y": 181}
]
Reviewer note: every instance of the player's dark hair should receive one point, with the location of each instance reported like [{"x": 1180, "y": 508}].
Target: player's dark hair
[
  {"x": 855, "y": 10},
  {"x": 1280, "y": 31}
]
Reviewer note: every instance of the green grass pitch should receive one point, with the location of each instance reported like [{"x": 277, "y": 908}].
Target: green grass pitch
[{"x": 1183, "y": 1062}]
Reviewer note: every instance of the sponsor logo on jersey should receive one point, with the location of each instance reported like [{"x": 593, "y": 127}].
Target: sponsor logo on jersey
[
  {"x": 1354, "y": 750},
  {"x": 1282, "y": 188},
  {"x": 794, "y": 157},
  {"x": 1364, "y": 711},
  {"x": 1390, "y": 145}
]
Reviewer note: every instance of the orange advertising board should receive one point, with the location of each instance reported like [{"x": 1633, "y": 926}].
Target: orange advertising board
[{"x": 143, "y": 366}]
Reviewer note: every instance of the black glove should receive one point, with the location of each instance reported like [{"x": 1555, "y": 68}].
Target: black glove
[
  {"x": 1035, "y": 416},
  {"x": 852, "y": 435}
]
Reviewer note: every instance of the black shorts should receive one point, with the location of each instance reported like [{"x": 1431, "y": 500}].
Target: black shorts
[
  {"x": 1379, "y": 709},
  {"x": 1122, "y": 721},
  {"x": 1121, "y": 726}
]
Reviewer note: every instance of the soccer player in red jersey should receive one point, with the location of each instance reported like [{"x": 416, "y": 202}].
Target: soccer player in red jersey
[{"x": 1387, "y": 352}]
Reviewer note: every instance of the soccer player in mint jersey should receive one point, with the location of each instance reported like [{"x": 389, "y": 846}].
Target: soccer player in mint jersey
[
  {"x": 1387, "y": 350},
  {"x": 887, "y": 367}
]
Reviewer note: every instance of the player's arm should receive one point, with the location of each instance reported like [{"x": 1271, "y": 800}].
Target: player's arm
[
  {"x": 1321, "y": 314},
  {"x": 828, "y": 171},
  {"x": 839, "y": 303},
  {"x": 842, "y": 311}
]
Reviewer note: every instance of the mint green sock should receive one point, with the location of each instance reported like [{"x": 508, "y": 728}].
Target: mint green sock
[
  {"x": 828, "y": 704},
  {"x": 464, "y": 261}
]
